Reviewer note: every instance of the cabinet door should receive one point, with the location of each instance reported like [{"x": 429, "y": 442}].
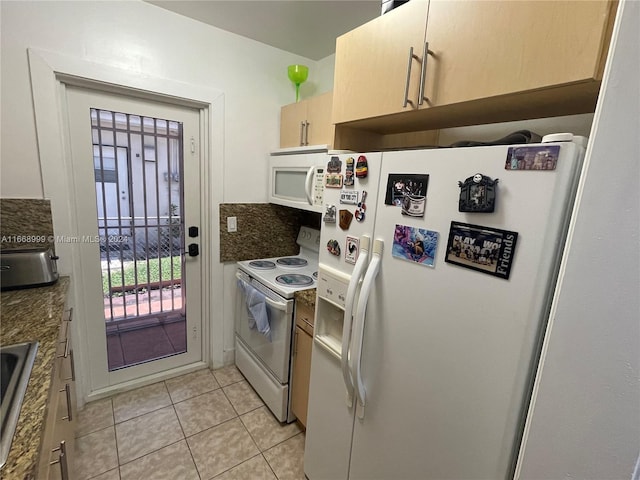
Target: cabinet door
[
  {"x": 292, "y": 117},
  {"x": 489, "y": 48},
  {"x": 319, "y": 126},
  {"x": 372, "y": 62},
  {"x": 301, "y": 374}
]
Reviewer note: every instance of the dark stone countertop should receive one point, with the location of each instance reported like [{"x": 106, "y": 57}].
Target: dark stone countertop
[
  {"x": 308, "y": 297},
  {"x": 28, "y": 315}
]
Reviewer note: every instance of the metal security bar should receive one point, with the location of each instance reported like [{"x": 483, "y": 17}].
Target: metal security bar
[{"x": 139, "y": 193}]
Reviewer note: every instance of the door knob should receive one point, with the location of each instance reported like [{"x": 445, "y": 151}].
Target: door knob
[{"x": 194, "y": 251}]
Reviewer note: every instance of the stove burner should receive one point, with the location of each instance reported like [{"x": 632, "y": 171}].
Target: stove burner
[
  {"x": 315, "y": 275},
  {"x": 291, "y": 262},
  {"x": 294, "y": 280},
  {"x": 262, "y": 264}
]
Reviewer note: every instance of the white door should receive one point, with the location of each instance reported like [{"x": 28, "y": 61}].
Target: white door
[{"x": 132, "y": 226}]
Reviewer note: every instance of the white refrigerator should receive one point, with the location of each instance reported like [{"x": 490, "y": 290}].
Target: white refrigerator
[{"x": 425, "y": 349}]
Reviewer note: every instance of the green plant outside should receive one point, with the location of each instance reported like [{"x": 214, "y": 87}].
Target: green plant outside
[{"x": 154, "y": 267}]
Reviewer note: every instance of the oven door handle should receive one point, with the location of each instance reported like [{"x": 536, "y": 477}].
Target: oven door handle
[
  {"x": 285, "y": 307},
  {"x": 277, "y": 305}
]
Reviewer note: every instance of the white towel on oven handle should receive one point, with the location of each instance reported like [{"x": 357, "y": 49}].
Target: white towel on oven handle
[{"x": 257, "y": 309}]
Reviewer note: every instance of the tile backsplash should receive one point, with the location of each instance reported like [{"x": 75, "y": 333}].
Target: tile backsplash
[
  {"x": 25, "y": 223},
  {"x": 264, "y": 230}
]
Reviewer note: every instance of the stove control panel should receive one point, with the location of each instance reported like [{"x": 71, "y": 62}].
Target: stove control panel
[{"x": 309, "y": 238}]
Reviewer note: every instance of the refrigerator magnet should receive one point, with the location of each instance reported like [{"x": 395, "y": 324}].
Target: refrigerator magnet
[
  {"x": 409, "y": 191},
  {"x": 345, "y": 219},
  {"x": 333, "y": 247},
  {"x": 348, "y": 174},
  {"x": 333, "y": 180},
  {"x": 329, "y": 214},
  {"x": 484, "y": 249},
  {"x": 532, "y": 158},
  {"x": 477, "y": 194},
  {"x": 350, "y": 197},
  {"x": 352, "y": 249},
  {"x": 362, "y": 167},
  {"x": 415, "y": 245},
  {"x": 334, "y": 165},
  {"x": 360, "y": 211}
]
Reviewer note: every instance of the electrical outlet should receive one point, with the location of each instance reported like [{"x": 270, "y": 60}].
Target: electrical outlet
[{"x": 232, "y": 224}]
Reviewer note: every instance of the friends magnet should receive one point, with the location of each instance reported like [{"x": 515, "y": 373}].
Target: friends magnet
[
  {"x": 532, "y": 158},
  {"x": 348, "y": 174},
  {"x": 345, "y": 219},
  {"x": 329, "y": 214},
  {"x": 333, "y": 247},
  {"x": 352, "y": 249},
  {"x": 349, "y": 197},
  {"x": 477, "y": 194},
  {"x": 362, "y": 167},
  {"x": 484, "y": 249}
]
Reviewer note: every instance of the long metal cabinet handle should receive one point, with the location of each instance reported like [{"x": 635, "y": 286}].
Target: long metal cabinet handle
[
  {"x": 406, "y": 88},
  {"x": 67, "y": 391},
  {"x": 367, "y": 286},
  {"x": 301, "y": 133},
  {"x": 306, "y": 132},
  {"x": 73, "y": 368},
  {"x": 308, "y": 185},
  {"x": 358, "y": 271},
  {"x": 62, "y": 460},
  {"x": 66, "y": 349},
  {"x": 423, "y": 73}
]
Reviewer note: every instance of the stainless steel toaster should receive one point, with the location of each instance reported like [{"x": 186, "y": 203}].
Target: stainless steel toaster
[{"x": 29, "y": 267}]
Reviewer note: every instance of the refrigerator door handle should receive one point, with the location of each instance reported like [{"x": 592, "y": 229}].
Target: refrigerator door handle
[
  {"x": 308, "y": 184},
  {"x": 367, "y": 286},
  {"x": 357, "y": 274}
]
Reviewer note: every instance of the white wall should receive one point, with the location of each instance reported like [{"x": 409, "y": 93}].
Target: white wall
[
  {"x": 143, "y": 38},
  {"x": 585, "y": 419},
  {"x": 324, "y": 72},
  {"x": 146, "y": 40}
]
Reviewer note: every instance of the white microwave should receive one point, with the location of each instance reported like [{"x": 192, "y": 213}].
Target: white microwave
[{"x": 297, "y": 180}]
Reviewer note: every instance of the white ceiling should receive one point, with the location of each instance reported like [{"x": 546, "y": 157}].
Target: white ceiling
[{"x": 304, "y": 27}]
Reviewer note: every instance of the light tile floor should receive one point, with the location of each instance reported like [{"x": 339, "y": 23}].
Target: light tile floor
[{"x": 201, "y": 426}]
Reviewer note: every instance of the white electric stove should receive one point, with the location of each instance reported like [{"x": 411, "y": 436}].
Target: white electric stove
[{"x": 265, "y": 358}]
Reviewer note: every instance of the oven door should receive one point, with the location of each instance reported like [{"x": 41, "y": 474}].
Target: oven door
[{"x": 273, "y": 353}]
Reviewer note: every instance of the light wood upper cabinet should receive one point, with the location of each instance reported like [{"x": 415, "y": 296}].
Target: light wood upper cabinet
[
  {"x": 553, "y": 52},
  {"x": 372, "y": 62},
  {"x": 487, "y": 48},
  {"x": 292, "y": 118},
  {"x": 307, "y": 122}
]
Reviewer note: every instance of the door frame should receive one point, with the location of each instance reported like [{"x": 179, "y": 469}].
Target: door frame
[{"x": 50, "y": 75}]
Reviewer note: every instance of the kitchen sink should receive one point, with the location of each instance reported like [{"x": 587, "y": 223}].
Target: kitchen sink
[{"x": 16, "y": 362}]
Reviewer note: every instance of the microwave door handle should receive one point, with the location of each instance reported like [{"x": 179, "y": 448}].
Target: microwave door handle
[{"x": 308, "y": 184}]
